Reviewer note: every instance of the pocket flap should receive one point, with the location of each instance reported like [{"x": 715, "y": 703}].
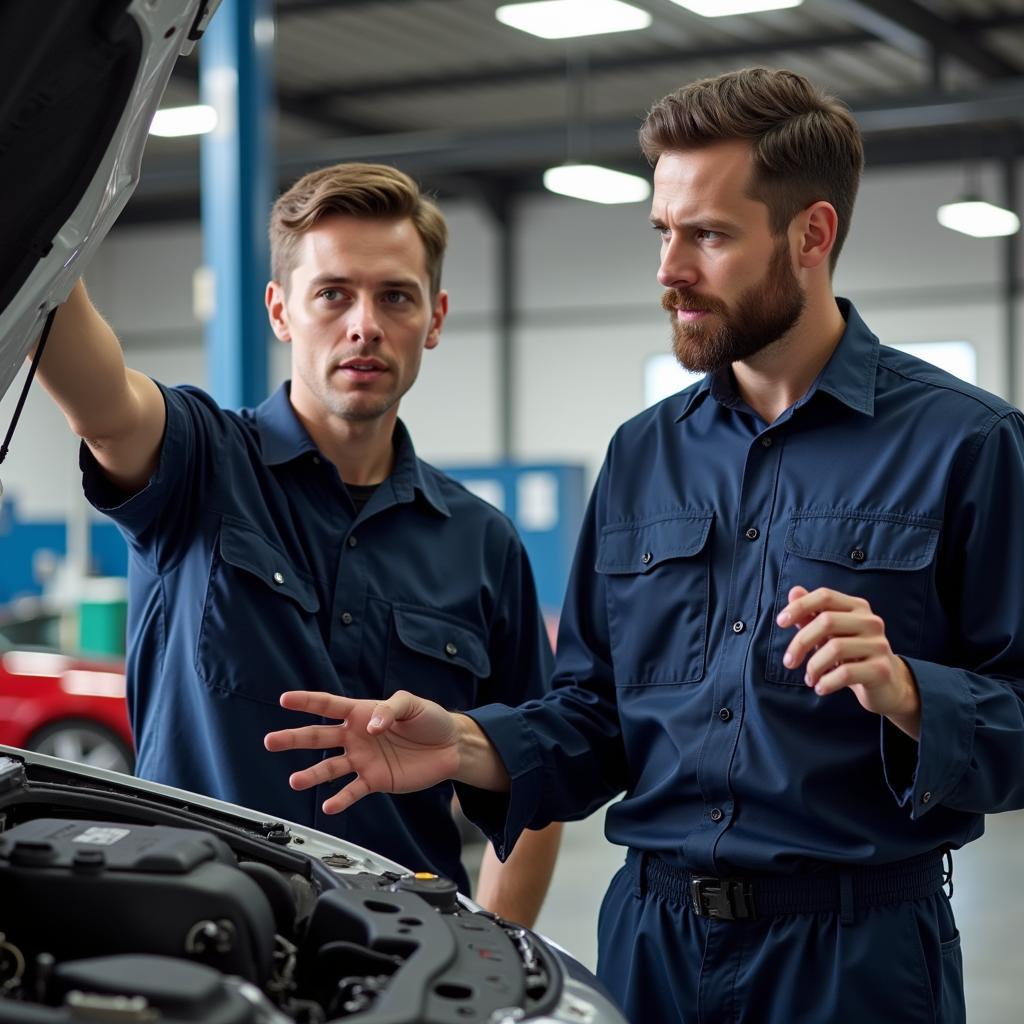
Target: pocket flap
[
  {"x": 245, "y": 549},
  {"x": 425, "y": 631},
  {"x": 640, "y": 547},
  {"x": 864, "y": 540}
]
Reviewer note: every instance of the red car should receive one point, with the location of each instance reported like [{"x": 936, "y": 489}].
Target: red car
[{"x": 68, "y": 706}]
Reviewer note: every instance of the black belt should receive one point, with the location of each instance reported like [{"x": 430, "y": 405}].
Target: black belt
[{"x": 743, "y": 898}]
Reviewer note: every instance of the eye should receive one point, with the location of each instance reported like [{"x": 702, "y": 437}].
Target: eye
[
  {"x": 395, "y": 297},
  {"x": 663, "y": 231},
  {"x": 329, "y": 294},
  {"x": 707, "y": 235}
]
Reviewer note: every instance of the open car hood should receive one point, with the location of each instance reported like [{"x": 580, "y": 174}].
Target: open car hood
[
  {"x": 80, "y": 81},
  {"x": 127, "y": 900}
]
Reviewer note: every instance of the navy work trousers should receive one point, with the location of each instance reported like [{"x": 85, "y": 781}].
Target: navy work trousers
[{"x": 663, "y": 964}]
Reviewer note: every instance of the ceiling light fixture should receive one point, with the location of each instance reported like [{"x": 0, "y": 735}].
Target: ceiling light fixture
[
  {"x": 722, "y": 8},
  {"x": 577, "y": 177},
  {"x": 173, "y": 122},
  {"x": 596, "y": 184},
  {"x": 975, "y": 217},
  {"x": 565, "y": 19}
]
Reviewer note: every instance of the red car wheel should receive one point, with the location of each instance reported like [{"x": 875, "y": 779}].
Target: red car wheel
[{"x": 84, "y": 742}]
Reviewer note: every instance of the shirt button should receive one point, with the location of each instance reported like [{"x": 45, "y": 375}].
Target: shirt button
[
  {"x": 346, "y": 618},
  {"x": 753, "y": 533},
  {"x": 716, "y": 814},
  {"x": 450, "y": 649},
  {"x": 278, "y": 578},
  {"x": 766, "y": 442},
  {"x": 352, "y": 542},
  {"x": 316, "y": 460},
  {"x": 646, "y": 558},
  {"x": 925, "y": 797},
  {"x": 738, "y": 627},
  {"x": 857, "y": 555},
  {"x": 725, "y": 714}
]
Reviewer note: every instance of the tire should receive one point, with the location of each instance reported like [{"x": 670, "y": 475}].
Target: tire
[{"x": 86, "y": 742}]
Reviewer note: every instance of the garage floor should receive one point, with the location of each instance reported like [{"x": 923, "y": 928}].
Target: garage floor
[{"x": 988, "y": 898}]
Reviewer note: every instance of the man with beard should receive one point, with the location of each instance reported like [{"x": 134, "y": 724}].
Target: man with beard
[
  {"x": 784, "y": 637},
  {"x": 303, "y": 543}
]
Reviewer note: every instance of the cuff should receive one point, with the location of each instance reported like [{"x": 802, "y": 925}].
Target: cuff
[
  {"x": 503, "y": 816},
  {"x": 921, "y": 774}
]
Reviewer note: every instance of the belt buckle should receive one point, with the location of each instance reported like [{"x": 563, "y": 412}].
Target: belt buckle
[{"x": 728, "y": 899}]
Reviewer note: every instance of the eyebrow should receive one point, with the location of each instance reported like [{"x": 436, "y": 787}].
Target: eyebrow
[
  {"x": 713, "y": 223},
  {"x": 398, "y": 282}
]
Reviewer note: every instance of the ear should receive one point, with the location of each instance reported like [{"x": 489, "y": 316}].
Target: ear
[
  {"x": 277, "y": 311},
  {"x": 436, "y": 320},
  {"x": 815, "y": 229}
]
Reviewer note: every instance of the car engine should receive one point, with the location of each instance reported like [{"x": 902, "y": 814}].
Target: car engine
[{"x": 142, "y": 911}]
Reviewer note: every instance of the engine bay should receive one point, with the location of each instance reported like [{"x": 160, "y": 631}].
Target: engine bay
[{"x": 119, "y": 905}]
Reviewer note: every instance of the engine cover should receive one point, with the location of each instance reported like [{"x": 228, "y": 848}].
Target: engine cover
[{"x": 68, "y": 888}]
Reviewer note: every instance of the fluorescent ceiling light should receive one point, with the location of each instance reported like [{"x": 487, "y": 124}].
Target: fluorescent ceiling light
[
  {"x": 563, "y": 19},
  {"x": 978, "y": 218},
  {"x": 721, "y": 8},
  {"x": 596, "y": 184},
  {"x": 174, "y": 121}
]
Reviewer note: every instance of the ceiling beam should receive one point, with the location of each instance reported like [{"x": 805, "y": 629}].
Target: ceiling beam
[
  {"x": 283, "y": 8},
  {"x": 994, "y": 103},
  {"x": 659, "y": 58},
  {"x": 292, "y": 103},
  {"x": 964, "y": 31},
  {"x": 523, "y": 150},
  {"x": 883, "y": 150},
  {"x": 918, "y": 31}
]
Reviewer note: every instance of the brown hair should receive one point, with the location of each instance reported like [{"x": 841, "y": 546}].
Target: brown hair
[
  {"x": 370, "y": 191},
  {"x": 806, "y": 145}
]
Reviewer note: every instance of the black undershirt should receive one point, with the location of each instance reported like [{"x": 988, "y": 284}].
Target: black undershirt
[{"x": 360, "y": 494}]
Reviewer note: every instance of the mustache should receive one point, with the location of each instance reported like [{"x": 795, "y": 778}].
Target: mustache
[{"x": 673, "y": 299}]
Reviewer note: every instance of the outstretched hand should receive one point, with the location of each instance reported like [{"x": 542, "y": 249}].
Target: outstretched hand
[{"x": 399, "y": 745}]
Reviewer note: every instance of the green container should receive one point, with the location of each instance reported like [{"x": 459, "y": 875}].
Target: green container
[{"x": 101, "y": 627}]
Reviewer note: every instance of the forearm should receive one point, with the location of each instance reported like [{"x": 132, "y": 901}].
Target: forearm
[
  {"x": 478, "y": 762},
  {"x": 118, "y": 412},
  {"x": 515, "y": 889},
  {"x": 83, "y": 368},
  {"x": 906, "y": 716}
]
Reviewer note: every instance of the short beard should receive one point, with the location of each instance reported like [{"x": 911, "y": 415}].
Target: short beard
[{"x": 762, "y": 315}]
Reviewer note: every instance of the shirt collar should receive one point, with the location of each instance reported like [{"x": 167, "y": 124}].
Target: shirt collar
[
  {"x": 849, "y": 375},
  {"x": 693, "y": 397},
  {"x": 282, "y": 435},
  {"x": 284, "y": 438}
]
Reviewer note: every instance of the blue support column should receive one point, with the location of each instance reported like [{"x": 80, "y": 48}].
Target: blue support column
[{"x": 236, "y": 161}]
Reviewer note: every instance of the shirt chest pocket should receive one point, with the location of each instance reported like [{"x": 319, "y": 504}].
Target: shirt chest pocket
[
  {"x": 259, "y": 620},
  {"x": 656, "y": 583},
  {"x": 884, "y": 558},
  {"x": 435, "y": 656}
]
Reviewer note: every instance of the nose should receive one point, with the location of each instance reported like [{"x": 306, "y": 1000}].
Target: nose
[
  {"x": 363, "y": 324},
  {"x": 678, "y": 268}
]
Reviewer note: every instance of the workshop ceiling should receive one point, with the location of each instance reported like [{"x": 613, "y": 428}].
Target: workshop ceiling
[{"x": 472, "y": 107}]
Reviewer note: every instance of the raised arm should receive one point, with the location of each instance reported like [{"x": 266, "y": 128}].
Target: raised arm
[{"x": 118, "y": 412}]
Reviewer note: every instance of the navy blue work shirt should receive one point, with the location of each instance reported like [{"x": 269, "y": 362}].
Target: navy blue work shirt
[
  {"x": 250, "y": 573},
  {"x": 890, "y": 480}
]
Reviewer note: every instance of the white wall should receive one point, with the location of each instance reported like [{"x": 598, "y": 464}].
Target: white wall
[{"x": 588, "y": 318}]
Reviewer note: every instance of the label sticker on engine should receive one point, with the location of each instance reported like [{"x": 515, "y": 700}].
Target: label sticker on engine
[{"x": 101, "y": 836}]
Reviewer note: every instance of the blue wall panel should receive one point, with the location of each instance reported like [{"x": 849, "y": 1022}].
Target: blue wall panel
[{"x": 544, "y": 501}]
